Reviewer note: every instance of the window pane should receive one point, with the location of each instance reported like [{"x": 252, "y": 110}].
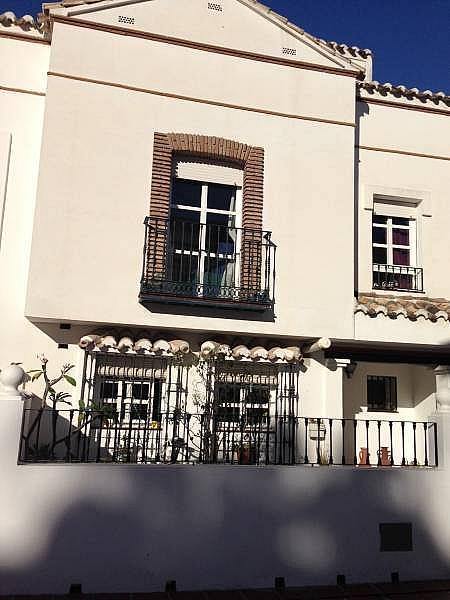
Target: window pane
[
  {"x": 255, "y": 416},
  {"x": 185, "y": 192},
  {"x": 220, "y": 234},
  {"x": 258, "y": 395},
  {"x": 183, "y": 268},
  {"x": 219, "y": 276},
  {"x": 109, "y": 390},
  {"x": 184, "y": 229},
  {"x": 400, "y": 256},
  {"x": 400, "y": 237},
  {"x": 379, "y": 235},
  {"x": 141, "y": 391},
  {"x": 379, "y": 219},
  {"x": 379, "y": 256},
  {"x": 228, "y": 414},
  {"x": 400, "y": 221},
  {"x": 381, "y": 393},
  {"x": 221, "y": 197},
  {"x": 157, "y": 400}
]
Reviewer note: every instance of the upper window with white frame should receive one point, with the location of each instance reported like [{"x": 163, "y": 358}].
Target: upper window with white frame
[
  {"x": 205, "y": 228},
  {"x": 394, "y": 248}
]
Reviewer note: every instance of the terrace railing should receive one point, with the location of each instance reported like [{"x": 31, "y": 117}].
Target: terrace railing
[
  {"x": 397, "y": 278},
  {"x": 207, "y": 263},
  {"x": 74, "y": 436}
]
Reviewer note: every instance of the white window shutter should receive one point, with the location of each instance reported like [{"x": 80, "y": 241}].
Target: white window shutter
[
  {"x": 386, "y": 208},
  {"x": 207, "y": 171}
]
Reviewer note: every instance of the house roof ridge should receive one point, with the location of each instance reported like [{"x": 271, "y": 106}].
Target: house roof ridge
[
  {"x": 403, "y": 91},
  {"x": 333, "y": 47},
  {"x": 342, "y": 50},
  {"x": 345, "y": 50}
]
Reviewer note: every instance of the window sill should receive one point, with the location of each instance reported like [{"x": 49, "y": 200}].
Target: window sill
[{"x": 395, "y": 291}]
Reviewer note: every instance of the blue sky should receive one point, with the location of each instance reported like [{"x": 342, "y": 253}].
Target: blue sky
[{"x": 410, "y": 38}]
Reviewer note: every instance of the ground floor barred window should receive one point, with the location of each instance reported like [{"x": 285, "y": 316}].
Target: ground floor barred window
[{"x": 159, "y": 409}]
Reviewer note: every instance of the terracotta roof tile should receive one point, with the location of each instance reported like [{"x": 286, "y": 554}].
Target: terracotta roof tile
[
  {"x": 412, "y": 308},
  {"x": 386, "y": 89},
  {"x": 26, "y": 23}
]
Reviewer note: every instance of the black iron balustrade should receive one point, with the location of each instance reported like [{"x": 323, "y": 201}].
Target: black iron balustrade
[
  {"x": 397, "y": 277},
  {"x": 209, "y": 263},
  {"x": 108, "y": 436}
]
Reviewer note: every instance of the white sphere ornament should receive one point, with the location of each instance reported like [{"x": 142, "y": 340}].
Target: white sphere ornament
[{"x": 10, "y": 379}]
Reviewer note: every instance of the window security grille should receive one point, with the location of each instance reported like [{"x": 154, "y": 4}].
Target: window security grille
[
  {"x": 289, "y": 51},
  {"x": 381, "y": 393},
  {"x": 126, "y": 20},
  {"x": 253, "y": 416},
  {"x": 156, "y": 409}
]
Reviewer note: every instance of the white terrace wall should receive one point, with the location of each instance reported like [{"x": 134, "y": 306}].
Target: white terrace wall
[{"x": 132, "y": 528}]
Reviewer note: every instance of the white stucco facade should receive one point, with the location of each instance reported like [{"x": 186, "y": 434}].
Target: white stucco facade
[{"x": 85, "y": 93}]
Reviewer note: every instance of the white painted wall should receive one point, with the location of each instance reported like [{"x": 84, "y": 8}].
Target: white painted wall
[
  {"x": 239, "y": 25},
  {"x": 23, "y": 67},
  {"x": 425, "y": 179},
  {"x": 113, "y": 179}
]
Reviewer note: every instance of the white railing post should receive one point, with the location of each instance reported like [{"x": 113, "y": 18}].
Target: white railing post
[
  {"x": 11, "y": 409},
  {"x": 442, "y": 414}
]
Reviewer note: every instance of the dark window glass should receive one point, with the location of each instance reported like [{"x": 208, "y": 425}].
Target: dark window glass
[
  {"x": 157, "y": 400},
  {"x": 400, "y": 256},
  {"x": 109, "y": 390},
  {"x": 135, "y": 411},
  {"x": 220, "y": 235},
  {"x": 184, "y": 229},
  {"x": 381, "y": 393},
  {"x": 400, "y": 236},
  {"x": 183, "y": 269},
  {"x": 256, "y": 416},
  {"x": 379, "y": 256},
  {"x": 258, "y": 395},
  {"x": 141, "y": 391},
  {"x": 379, "y": 235},
  {"x": 400, "y": 221},
  {"x": 379, "y": 219},
  {"x": 228, "y": 414},
  {"x": 221, "y": 197},
  {"x": 219, "y": 275},
  {"x": 188, "y": 193}
]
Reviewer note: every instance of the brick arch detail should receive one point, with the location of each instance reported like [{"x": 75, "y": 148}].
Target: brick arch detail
[{"x": 250, "y": 158}]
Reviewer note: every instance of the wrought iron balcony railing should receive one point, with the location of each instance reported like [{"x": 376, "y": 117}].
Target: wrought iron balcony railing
[
  {"x": 397, "y": 277},
  {"x": 209, "y": 263},
  {"x": 136, "y": 435}
]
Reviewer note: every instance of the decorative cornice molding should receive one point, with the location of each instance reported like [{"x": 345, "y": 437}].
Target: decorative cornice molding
[{"x": 403, "y": 152}]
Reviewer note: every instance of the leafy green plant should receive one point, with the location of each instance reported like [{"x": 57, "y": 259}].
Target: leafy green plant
[{"x": 50, "y": 382}]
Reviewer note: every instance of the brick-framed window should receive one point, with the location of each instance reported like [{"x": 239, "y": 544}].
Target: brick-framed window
[{"x": 169, "y": 146}]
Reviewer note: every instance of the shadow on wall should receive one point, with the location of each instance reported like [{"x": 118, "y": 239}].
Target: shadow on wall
[{"x": 132, "y": 528}]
